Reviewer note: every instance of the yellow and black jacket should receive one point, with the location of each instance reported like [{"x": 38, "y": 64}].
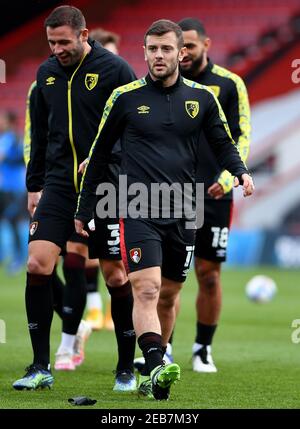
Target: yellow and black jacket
[
  {"x": 159, "y": 130},
  {"x": 232, "y": 95},
  {"x": 65, "y": 108}
]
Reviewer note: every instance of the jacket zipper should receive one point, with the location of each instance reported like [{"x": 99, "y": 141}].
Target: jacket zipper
[
  {"x": 169, "y": 119},
  {"x": 71, "y": 138}
]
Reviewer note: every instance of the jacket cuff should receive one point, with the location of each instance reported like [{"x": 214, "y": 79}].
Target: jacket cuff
[
  {"x": 226, "y": 181},
  {"x": 34, "y": 188}
]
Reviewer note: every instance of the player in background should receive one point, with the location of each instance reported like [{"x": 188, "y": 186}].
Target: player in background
[
  {"x": 94, "y": 304},
  {"x": 212, "y": 238}
]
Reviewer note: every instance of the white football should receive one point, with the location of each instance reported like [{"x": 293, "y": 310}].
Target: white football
[{"x": 261, "y": 289}]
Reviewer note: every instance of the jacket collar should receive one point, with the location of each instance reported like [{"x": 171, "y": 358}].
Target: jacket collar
[{"x": 158, "y": 84}]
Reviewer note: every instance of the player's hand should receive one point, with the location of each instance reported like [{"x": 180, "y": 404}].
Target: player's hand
[
  {"x": 248, "y": 185},
  {"x": 216, "y": 191},
  {"x": 79, "y": 228},
  {"x": 82, "y": 166},
  {"x": 32, "y": 201}
]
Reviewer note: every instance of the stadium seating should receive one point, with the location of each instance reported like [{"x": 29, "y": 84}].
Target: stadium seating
[{"x": 234, "y": 24}]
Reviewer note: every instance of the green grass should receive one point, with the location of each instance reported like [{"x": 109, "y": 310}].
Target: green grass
[{"x": 258, "y": 365}]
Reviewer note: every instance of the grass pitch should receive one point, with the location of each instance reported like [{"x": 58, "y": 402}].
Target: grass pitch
[{"x": 258, "y": 364}]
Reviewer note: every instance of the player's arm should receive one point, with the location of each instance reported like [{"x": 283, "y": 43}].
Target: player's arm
[
  {"x": 29, "y": 121},
  {"x": 30, "y": 125},
  {"x": 219, "y": 137},
  {"x": 39, "y": 139},
  {"x": 238, "y": 118},
  {"x": 109, "y": 131}
]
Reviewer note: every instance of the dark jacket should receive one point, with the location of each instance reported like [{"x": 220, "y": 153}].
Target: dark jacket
[
  {"x": 231, "y": 92},
  {"x": 66, "y": 116},
  {"x": 159, "y": 129}
]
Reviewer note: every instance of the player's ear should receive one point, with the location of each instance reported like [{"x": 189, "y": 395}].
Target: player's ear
[
  {"x": 145, "y": 58},
  {"x": 85, "y": 34},
  {"x": 207, "y": 44},
  {"x": 182, "y": 53}
]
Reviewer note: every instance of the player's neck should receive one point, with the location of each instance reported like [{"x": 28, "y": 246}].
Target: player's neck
[
  {"x": 203, "y": 65},
  {"x": 87, "y": 49},
  {"x": 169, "y": 81}
]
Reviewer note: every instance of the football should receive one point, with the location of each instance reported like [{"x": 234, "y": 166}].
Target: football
[{"x": 261, "y": 288}]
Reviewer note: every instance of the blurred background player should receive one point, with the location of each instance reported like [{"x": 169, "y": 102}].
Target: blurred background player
[
  {"x": 108, "y": 39},
  {"x": 12, "y": 189},
  {"x": 212, "y": 238}
]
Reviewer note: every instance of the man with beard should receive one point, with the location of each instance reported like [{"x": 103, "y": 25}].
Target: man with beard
[
  {"x": 212, "y": 238},
  {"x": 158, "y": 122}
]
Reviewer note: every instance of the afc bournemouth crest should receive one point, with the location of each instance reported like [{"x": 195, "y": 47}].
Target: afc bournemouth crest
[
  {"x": 192, "y": 108},
  {"x": 135, "y": 254},
  {"x": 33, "y": 227},
  {"x": 91, "y": 80}
]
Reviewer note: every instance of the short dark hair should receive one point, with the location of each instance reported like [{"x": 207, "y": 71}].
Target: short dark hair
[
  {"x": 187, "y": 24},
  {"x": 163, "y": 26},
  {"x": 66, "y": 15},
  {"x": 104, "y": 36}
]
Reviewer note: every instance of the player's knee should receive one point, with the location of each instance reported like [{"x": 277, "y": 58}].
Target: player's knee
[
  {"x": 36, "y": 265},
  {"x": 147, "y": 291},
  {"x": 210, "y": 281},
  {"x": 168, "y": 295},
  {"x": 167, "y": 301},
  {"x": 115, "y": 276}
]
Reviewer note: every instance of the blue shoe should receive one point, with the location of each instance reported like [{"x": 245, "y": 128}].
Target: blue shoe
[
  {"x": 36, "y": 377},
  {"x": 125, "y": 381},
  {"x": 162, "y": 377}
]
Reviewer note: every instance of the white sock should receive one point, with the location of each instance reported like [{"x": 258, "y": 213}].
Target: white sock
[
  {"x": 67, "y": 343},
  {"x": 94, "y": 300},
  {"x": 198, "y": 346},
  {"x": 169, "y": 349}
]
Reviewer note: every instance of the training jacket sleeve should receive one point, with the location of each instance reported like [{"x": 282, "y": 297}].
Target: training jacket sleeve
[
  {"x": 39, "y": 138},
  {"x": 219, "y": 137},
  {"x": 30, "y": 107},
  {"x": 109, "y": 132},
  {"x": 238, "y": 117}
]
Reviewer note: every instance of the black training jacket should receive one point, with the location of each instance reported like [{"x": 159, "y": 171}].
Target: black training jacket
[
  {"x": 159, "y": 129},
  {"x": 67, "y": 111}
]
